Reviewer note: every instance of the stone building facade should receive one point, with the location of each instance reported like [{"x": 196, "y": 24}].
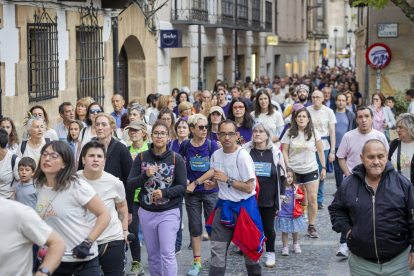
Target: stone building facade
[{"x": 137, "y": 52}]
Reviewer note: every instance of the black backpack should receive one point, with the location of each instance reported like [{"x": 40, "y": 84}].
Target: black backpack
[
  {"x": 13, "y": 163},
  {"x": 396, "y": 145}
]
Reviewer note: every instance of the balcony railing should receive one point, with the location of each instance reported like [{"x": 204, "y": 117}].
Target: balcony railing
[{"x": 247, "y": 14}]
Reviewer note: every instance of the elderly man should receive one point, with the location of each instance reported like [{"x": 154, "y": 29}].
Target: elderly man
[
  {"x": 327, "y": 99},
  {"x": 67, "y": 113},
  {"x": 283, "y": 87},
  {"x": 324, "y": 120},
  {"x": 374, "y": 209},
  {"x": 118, "y": 103}
]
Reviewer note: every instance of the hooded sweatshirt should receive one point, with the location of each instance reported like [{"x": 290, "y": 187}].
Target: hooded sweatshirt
[{"x": 170, "y": 177}]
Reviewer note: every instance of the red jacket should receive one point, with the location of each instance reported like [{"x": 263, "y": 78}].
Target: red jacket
[{"x": 297, "y": 209}]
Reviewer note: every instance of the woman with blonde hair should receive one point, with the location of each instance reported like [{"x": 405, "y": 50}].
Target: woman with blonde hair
[
  {"x": 205, "y": 108},
  {"x": 185, "y": 109},
  {"x": 164, "y": 101},
  {"x": 167, "y": 116},
  {"x": 48, "y": 132},
  {"x": 8, "y": 124},
  {"x": 82, "y": 108},
  {"x": 350, "y": 99}
]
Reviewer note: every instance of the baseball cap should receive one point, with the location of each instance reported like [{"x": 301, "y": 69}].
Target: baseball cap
[
  {"x": 137, "y": 125},
  {"x": 219, "y": 110}
]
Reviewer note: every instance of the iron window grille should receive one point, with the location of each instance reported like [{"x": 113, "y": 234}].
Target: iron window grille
[
  {"x": 243, "y": 13},
  {"x": 268, "y": 19},
  {"x": 256, "y": 8},
  {"x": 90, "y": 57},
  {"x": 43, "y": 59},
  {"x": 200, "y": 10},
  {"x": 320, "y": 16}
]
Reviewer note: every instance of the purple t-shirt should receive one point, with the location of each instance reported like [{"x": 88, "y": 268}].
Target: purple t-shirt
[
  {"x": 214, "y": 136},
  {"x": 175, "y": 146},
  {"x": 226, "y": 109},
  {"x": 175, "y": 110},
  {"x": 245, "y": 135},
  {"x": 287, "y": 204},
  {"x": 197, "y": 161}
]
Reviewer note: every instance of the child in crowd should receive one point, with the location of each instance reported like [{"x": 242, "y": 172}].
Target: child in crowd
[
  {"x": 390, "y": 103},
  {"x": 289, "y": 218},
  {"x": 26, "y": 193},
  {"x": 75, "y": 128}
]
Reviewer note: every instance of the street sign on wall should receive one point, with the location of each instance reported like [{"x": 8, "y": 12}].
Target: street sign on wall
[
  {"x": 171, "y": 39},
  {"x": 272, "y": 40},
  {"x": 378, "y": 56},
  {"x": 387, "y": 29}
]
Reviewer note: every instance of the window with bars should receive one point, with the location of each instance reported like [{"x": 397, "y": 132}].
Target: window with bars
[
  {"x": 200, "y": 10},
  {"x": 256, "y": 8},
  {"x": 320, "y": 15},
  {"x": 243, "y": 12},
  {"x": 42, "y": 58},
  {"x": 227, "y": 12},
  {"x": 269, "y": 13},
  {"x": 90, "y": 61}
]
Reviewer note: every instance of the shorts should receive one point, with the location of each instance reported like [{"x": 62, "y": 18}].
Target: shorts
[{"x": 307, "y": 177}]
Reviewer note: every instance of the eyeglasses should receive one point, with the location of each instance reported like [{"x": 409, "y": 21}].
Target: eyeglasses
[
  {"x": 203, "y": 127},
  {"x": 261, "y": 131},
  {"x": 238, "y": 107},
  {"x": 375, "y": 99},
  {"x": 166, "y": 119},
  {"x": 224, "y": 134},
  {"x": 160, "y": 134},
  {"x": 93, "y": 111},
  {"x": 316, "y": 97},
  {"x": 53, "y": 155}
]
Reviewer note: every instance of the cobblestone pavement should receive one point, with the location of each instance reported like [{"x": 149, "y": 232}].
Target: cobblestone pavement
[{"x": 317, "y": 258}]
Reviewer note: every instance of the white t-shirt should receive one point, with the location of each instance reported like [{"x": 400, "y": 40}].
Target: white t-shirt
[
  {"x": 411, "y": 108},
  {"x": 237, "y": 165},
  {"x": 284, "y": 90},
  {"x": 51, "y": 134},
  {"x": 407, "y": 152},
  {"x": 64, "y": 211},
  {"x": 20, "y": 228},
  {"x": 352, "y": 144},
  {"x": 280, "y": 98},
  {"x": 302, "y": 158},
  {"x": 31, "y": 152},
  {"x": 7, "y": 175},
  {"x": 13, "y": 148},
  {"x": 87, "y": 137},
  {"x": 321, "y": 120},
  {"x": 110, "y": 190},
  {"x": 272, "y": 122}
]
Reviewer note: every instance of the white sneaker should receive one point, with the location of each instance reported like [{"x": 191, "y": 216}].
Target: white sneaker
[
  {"x": 305, "y": 216},
  {"x": 182, "y": 226},
  {"x": 270, "y": 259},
  {"x": 343, "y": 251}
]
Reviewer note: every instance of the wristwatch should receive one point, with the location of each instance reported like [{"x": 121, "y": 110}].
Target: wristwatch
[
  {"x": 230, "y": 182},
  {"x": 44, "y": 270},
  {"x": 196, "y": 182},
  {"x": 332, "y": 151},
  {"x": 323, "y": 168}
]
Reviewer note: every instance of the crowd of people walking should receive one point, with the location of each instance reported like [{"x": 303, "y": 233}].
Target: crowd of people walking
[{"x": 246, "y": 161}]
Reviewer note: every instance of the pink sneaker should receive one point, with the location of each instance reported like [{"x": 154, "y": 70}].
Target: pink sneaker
[
  {"x": 296, "y": 248},
  {"x": 285, "y": 251}
]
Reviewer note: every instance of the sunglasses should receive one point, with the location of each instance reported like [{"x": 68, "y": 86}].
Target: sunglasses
[
  {"x": 203, "y": 127},
  {"x": 93, "y": 111}
]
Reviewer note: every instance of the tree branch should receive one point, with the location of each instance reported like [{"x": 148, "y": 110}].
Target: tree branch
[{"x": 406, "y": 8}]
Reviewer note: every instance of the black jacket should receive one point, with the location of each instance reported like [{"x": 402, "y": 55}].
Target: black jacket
[
  {"x": 118, "y": 163},
  {"x": 170, "y": 178},
  {"x": 382, "y": 225},
  {"x": 352, "y": 124}
]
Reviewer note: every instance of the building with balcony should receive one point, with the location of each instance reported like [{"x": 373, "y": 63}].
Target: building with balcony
[{"x": 226, "y": 39}]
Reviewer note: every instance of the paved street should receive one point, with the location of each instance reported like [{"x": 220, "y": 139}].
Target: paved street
[{"x": 317, "y": 258}]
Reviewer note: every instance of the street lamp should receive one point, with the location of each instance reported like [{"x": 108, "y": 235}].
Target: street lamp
[
  {"x": 346, "y": 28},
  {"x": 349, "y": 46},
  {"x": 335, "y": 34}
]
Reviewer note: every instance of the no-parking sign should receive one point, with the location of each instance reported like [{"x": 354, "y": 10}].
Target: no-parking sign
[{"x": 378, "y": 56}]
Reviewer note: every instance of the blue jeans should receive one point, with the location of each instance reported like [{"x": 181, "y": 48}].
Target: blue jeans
[
  {"x": 339, "y": 174},
  {"x": 321, "y": 183}
]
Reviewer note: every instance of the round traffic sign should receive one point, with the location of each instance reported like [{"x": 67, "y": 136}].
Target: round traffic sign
[{"x": 378, "y": 55}]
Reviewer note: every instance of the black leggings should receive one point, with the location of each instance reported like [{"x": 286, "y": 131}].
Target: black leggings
[
  {"x": 111, "y": 260},
  {"x": 133, "y": 228},
  {"x": 268, "y": 220},
  {"x": 86, "y": 268}
]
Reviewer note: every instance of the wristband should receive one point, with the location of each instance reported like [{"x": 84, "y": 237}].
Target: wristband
[
  {"x": 125, "y": 230},
  {"x": 323, "y": 168},
  {"x": 89, "y": 241}
]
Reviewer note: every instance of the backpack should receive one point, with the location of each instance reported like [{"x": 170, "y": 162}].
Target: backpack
[
  {"x": 24, "y": 144},
  {"x": 13, "y": 163},
  {"x": 396, "y": 145},
  {"x": 188, "y": 142}
]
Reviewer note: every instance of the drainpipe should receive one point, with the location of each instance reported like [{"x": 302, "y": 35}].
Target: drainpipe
[
  {"x": 236, "y": 57},
  {"x": 200, "y": 63},
  {"x": 366, "y": 84},
  {"x": 115, "y": 53}
]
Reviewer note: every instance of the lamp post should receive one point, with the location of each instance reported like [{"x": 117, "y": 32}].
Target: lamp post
[
  {"x": 335, "y": 34},
  {"x": 350, "y": 46},
  {"x": 346, "y": 28}
]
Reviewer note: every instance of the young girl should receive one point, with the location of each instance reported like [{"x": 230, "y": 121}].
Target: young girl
[
  {"x": 289, "y": 219},
  {"x": 75, "y": 128}
]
